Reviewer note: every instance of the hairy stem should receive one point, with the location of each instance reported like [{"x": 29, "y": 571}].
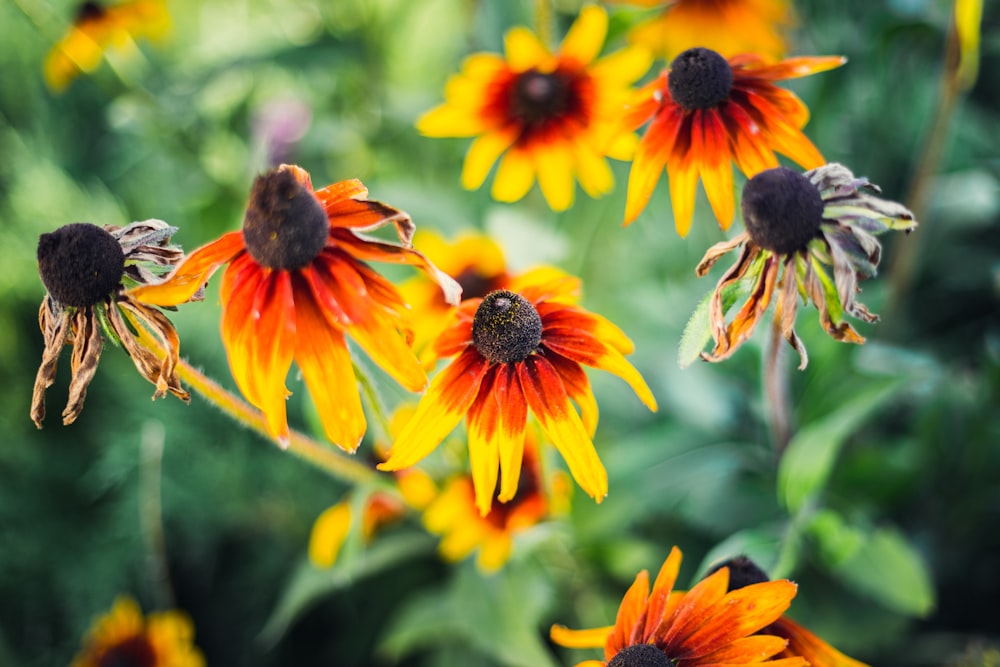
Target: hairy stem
[{"x": 779, "y": 408}]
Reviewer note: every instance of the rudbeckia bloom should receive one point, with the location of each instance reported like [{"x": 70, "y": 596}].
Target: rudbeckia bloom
[
  {"x": 86, "y": 270},
  {"x": 476, "y": 263},
  {"x": 801, "y": 642},
  {"x": 297, "y": 282},
  {"x": 708, "y": 625},
  {"x": 97, "y": 29},
  {"x": 726, "y": 26},
  {"x": 551, "y": 115},
  {"x": 706, "y": 112},
  {"x": 124, "y": 637},
  {"x": 520, "y": 349},
  {"x": 818, "y": 226}
]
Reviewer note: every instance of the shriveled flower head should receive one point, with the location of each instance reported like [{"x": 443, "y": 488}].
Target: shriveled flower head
[
  {"x": 518, "y": 350},
  {"x": 810, "y": 235},
  {"x": 124, "y": 638},
  {"x": 554, "y": 116},
  {"x": 801, "y": 642},
  {"x": 296, "y": 284},
  {"x": 708, "y": 625},
  {"x": 727, "y": 26},
  {"x": 706, "y": 112},
  {"x": 97, "y": 29},
  {"x": 86, "y": 270}
]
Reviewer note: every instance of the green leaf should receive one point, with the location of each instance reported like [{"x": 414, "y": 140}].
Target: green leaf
[
  {"x": 888, "y": 569},
  {"x": 838, "y": 540},
  {"x": 761, "y": 545},
  {"x": 698, "y": 330},
  {"x": 808, "y": 461}
]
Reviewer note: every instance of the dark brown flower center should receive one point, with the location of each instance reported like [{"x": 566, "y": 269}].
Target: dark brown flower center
[
  {"x": 285, "y": 226},
  {"x": 89, "y": 10},
  {"x": 80, "y": 264},
  {"x": 782, "y": 210},
  {"x": 640, "y": 655},
  {"x": 133, "y": 652},
  {"x": 699, "y": 78},
  {"x": 506, "y": 328},
  {"x": 537, "y": 98},
  {"x": 742, "y": 572},
  {"x": 475, "y": 285}
]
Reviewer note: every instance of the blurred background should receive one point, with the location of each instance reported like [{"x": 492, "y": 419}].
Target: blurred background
[{"x": 884, "y": 508}]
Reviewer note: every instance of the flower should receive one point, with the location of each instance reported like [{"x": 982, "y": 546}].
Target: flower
[
  {"x": 801, "y": 642},
  {"x": 122, "y": 637},
  {"x": 727, "y": 26},
  {"x": 453, "y": 514},
  {"x": 97, "y": 29},
  {"x": 708, "y": 625},
  {"x": 554, "y": 116},
  {"x": 474, "y": 260},
  {"x": 804, "y": 223},
  {"x": 520, "y": 349},
  {"x": 295, "y": 284},
  {"x": 706, "y": 112},
  {"x": 86, "y": 270}
]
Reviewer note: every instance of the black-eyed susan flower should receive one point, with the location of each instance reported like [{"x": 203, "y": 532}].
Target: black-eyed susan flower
[
  {"x": 708, "y": 626},
  {"x": 706, "y": 112},
  {"x": 474, "y": 260},
  {"x": 518, "y": 350},
  {"x": 98, "y": 28},
  {"x": 125, "y": 638},
  {"x": 801, "y": 642},
  {"x": 86, "y": 270},
  {"x": 554, "y": 116},
  {"x": 296, "y": 284},
  {"x": 726, "y": 26},
  {"x": 810, "y": 235}
]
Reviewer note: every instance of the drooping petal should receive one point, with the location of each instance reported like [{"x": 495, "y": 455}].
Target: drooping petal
[
  {"x": 484, "y": 451},
  {"x": 683, "y": 177},
  {"x": 578, "y": 388},
  {"x": 651, "y": 157},
  {"x": 272, "y": 346},
  {"x": 87, "y": 346},
  {"x": 55, "y": 328},
  {"x": 192, "y": 273},
  {"x": 715, "y": 168}
]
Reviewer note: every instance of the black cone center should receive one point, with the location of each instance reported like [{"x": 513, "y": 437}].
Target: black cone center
[
  {"x": 285, "y": 226},
  {"x": 699, "y": 78},
  {"x": 742, "y": 572},
  {"x": 641, "y": 655},
  {"x": 540, "y": 97},
  {"x": 506, "y": 327},
  {"x": 80, "y": 264},
  {"x": 782, "y": 210},
  {"x": 133, "y": 652}
]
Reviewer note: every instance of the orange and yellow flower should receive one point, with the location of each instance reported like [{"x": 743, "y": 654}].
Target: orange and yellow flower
[
  {"x": 97, "y": 29},
  {"x": 518, "y": 350},
  {"x": 554, "y": 116},
  {"x": 727, "y": 26},
  {"x": 706, "y": 112},
  {"x": 297, "y": 283},
  {"x": 124, "y": 637},
  {"x": 708, "y": 625}
]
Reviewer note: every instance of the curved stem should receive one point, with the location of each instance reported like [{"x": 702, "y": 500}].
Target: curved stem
[{"x": 779, "y": 407}]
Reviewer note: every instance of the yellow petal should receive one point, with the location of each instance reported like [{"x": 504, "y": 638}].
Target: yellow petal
[
  {"x": 586, "y": 36},
  {"x": 328, "y": 535},
  {"x": 525, "y": 51},
  {"x": 483, "y": 153},
  {"x": 554, "y": 164},
  {"x": 192, "y": 273},
  {"x": 450, "y": 121},
  {"x": 592, "y": 170},
  {"x": 590, "y": 638},
  {"x": 683, "y": 188},
  {"x": 514, "y": 176}
]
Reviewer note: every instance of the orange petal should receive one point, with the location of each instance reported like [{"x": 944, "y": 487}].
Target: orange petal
[
  {"x": 590, "y": 638},
  {"x": 716, "y": 168},
  {"x": 192, "y": 273},
  {"x": 484, "y": 452},
  {"x": 650, "y": 158},
  {"x": 341, "y": 190},
  {"x": 695, "y": 609},
  {"x": 747, "y": 650},
  {"x": 578, "y": 387},
  {"x": 630, "y": 616},
  {"x": 792, "y": 68},
  {"x": 683, "y": 177},
  {"x": 662, "y": 588},
  {"x": 804, "y": 643}
]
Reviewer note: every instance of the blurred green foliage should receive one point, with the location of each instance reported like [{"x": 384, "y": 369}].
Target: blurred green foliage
[{"x": 884, "y": 507}]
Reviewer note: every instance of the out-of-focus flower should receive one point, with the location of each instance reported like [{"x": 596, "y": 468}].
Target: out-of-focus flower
[
  {"x": 86, "y": 270},
  {"x": 550, "y": 116},
  {"x": 124, "y": 638},
  {"x": 97, "y": 29},
  {"x": 727, "y": 26},
  {"x": 707, "y": 112},
  {"x": 297, "y": 282},
  {"x": 520, "y": 349},
  {"x": 804, "y": 223},
  {"x": 708, "y": 625},
  {"x": 967, "y": 22},
  {"x": 474, "y": 260},
  {"x": 801, "y": 642}
]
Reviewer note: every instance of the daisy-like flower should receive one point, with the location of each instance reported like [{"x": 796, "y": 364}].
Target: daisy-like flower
[
  {"x": 86, "y": 270},
  {"x": 97, "y": 29},
  {"x": 801, "y": 642},
  {"x": 818, "y": 226},
  {"x": 454, "y": 515},
  {"x": 297, "y": 282},
  {"x": 551, "y": 115},
  {"x": 708, "y": 625},
  {"x": 520, "y": 349},
  {"x": 124, "y": 638},
  {"x": 707, "y": 112},
  {"x": 474, "y": 260},
  {"x": 726, "y": 26}
]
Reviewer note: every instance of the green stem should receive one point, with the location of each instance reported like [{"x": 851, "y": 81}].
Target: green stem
[
  {"x": 543, "y": 21},
  {"x": 776, "y": 389}
]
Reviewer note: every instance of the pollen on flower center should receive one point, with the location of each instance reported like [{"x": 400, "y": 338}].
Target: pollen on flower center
[
  {"x": 641, "y": 655},
  {"x": 782, "y": 210},
  {"x": 699, "y": 78},
  {"x": 80, "y": 264},
  {"x": 537, "y": 97},
  {"x": 133, "y": 652},
  {"x": 506, "y": 328},
  {"x": 285, "y": 226}
]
